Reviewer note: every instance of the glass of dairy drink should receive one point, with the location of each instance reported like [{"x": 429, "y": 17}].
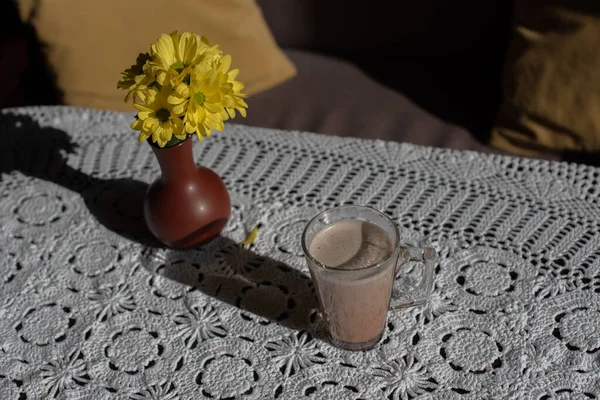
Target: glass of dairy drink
[{"x": 360, "y": 270}]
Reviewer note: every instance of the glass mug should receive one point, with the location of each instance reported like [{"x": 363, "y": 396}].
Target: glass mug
[{"x": 354, "y": 299}]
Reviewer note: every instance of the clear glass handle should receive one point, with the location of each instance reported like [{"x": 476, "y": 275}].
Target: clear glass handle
[{"x": 414, "y": 277}]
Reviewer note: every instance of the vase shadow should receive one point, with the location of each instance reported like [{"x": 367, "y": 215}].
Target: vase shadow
[
  {"x": 263, "y": 289},
  {"x": 41, "y": 152}
]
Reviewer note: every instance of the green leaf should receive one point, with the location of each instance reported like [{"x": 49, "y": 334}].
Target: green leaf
[{"x": 175, "y": 141}]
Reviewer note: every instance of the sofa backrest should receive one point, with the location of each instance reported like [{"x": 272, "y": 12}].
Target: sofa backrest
[{"x": 416, "y": 27}]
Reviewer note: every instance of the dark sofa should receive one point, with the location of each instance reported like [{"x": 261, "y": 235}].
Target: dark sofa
[{"x": 426, "y": 72}]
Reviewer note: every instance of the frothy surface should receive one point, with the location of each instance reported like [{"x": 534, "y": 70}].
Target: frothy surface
[{"x": 350, "y": 244}]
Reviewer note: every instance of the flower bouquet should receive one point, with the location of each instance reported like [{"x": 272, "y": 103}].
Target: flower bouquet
[{"x": 183, "y": 86}]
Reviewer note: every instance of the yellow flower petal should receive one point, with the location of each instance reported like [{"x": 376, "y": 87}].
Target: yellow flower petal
[
  {"x": 190, "y": 128},
  {"x": 251, "y": 238},
  {"x": 179, "y": 109},
  {"x": 155, "y": 127},
  {"x": 143, "y": 136},
  {"x": 231, "y": 75},
  {"x": 213, "y": 108},
  {"x": 188, "y": 48},
  {"x": 225, "y": 63},
  {"x": 141, "y": 107},
  {"x": 182, "y": 90},
  {"x": 178, "y": 128},
  {"x": 137, "y": 125},
  {"x": 204, "y": 40},
  {"x": 165, "y": 48},
  {"x": 144, "y": 114},
  {"x": 148, "y": 123},
  {"x": 237, "y": 86}
]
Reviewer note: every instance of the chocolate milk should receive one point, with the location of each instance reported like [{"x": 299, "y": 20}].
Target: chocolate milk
[{"x": 354, "y": 299}]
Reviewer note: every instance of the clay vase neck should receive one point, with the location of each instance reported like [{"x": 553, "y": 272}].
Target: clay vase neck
[
  {"x": 177, "y": 162},
  {"x": 189, "y": 204}
]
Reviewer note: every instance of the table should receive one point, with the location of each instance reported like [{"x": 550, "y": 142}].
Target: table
[{"x": 92, "y": 307}]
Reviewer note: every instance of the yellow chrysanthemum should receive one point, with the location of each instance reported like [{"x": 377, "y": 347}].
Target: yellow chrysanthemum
[
  {"x": 233, "y": 98},
  {"x": 201, "y": 101},
  {"x": 135, "y": 78},
  {"x": 156, "y": 117},
  {"x": 182, "y": 86},
  {"x": 177, "y": 54}
]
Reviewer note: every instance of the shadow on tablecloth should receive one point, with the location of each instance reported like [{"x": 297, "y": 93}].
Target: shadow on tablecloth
[
  {"x": 264, "y": 290},
  {"x": 41, "y": 152}
]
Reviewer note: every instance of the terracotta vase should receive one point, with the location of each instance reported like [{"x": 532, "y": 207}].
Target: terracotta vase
[{"x": 189, "y": 204}]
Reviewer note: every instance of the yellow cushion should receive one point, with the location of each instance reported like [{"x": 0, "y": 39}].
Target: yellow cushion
[
  {"x": 89, "y": 43},
  {"x": 552, "y": 79}
]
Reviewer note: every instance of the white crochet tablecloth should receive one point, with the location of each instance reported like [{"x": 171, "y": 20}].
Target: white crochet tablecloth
[{"x": 92, "y": 308}]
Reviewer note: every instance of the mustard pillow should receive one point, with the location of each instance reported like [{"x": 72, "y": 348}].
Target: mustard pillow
[
  {"x": 90, "y": 43},
  {"x": 551, "y": 98}
]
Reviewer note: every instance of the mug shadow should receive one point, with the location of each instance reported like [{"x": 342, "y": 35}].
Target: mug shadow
[{"x": 266, "y": 291}]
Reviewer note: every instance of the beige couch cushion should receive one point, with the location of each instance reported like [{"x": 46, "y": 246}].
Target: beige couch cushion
[
  {"x": 552, "y": 79},
  {"x": 90, "y": 43}
]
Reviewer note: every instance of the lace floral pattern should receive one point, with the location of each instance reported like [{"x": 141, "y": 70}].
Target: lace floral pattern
[{"x": 92, "y": 307}]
